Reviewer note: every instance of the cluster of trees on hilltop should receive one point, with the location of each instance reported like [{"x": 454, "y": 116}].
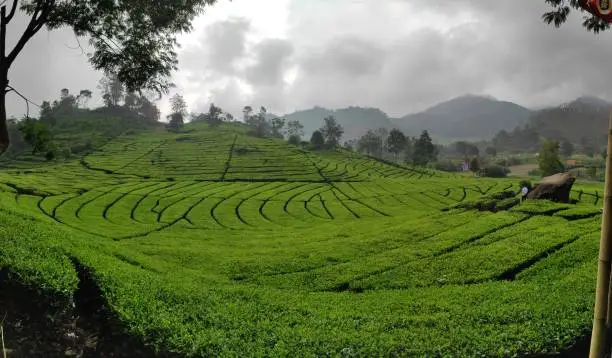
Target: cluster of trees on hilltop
[
  {"x": 70, "y": 116},
  {"x": 395, "y": 145}
]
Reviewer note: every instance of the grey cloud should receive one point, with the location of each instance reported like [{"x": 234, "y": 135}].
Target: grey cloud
[
  {"x": 271, "y": 60},
  {"x": 222, "y": 45},
  {"x": 349, "y": 56}
]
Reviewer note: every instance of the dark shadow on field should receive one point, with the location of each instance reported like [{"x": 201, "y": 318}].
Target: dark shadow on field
[
  {"x": 40, "y": 325},
  {"x": 579, "y": 350}
]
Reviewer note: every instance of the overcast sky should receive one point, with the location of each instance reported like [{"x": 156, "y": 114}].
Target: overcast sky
[{"x": 398, "y": 55}]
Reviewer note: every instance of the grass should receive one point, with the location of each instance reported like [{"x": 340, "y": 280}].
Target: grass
[{"x": 213, "y": 243}]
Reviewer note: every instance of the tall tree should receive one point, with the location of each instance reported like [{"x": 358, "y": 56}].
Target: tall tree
[
  {"x": 424, "y": 150},
  {"x": 276, "y": 126},
  {"x": 396, "y": 142},
  {"x": 134, "y": 39},
  {"x": 295, "y": 129},
  {"x": 83, "y": 97},
  {"x": 548, "y": 158},
  {"x": 148, "y": 109},
  {"x": 317, "y": 140},
  {"x": 178, "y": 106},
  {"x": 214, "y": 115},
  {"x": 258, "y": 123},
  {"x": 369, "y": 143},
  {"x": 112, "y": 90},
  {"x": 332, "y": 131},
  {"x": 567, "y": 148}
]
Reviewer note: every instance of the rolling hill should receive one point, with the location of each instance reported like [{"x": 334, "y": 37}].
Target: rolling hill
[
  {"x": 355, "y": 120},
  {"x": 210, "y": 242},
  {"x": 466, "y": 117}
]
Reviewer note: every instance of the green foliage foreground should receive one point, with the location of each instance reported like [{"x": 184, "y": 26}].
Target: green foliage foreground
[{"x": 212, "y": 243}]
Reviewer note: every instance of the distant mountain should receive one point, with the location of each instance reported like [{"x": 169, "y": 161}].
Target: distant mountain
[
  {"x": 587, "y": 103},
  {"x": 355, "y": 120},
  {"x": 584, "y": 120},
  {"x": 465, "y": 117}
]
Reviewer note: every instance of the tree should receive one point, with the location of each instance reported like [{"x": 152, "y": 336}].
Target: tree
[
  {"x": 112, "y": 90},
  {"x": 548, "y": 159},
  {"x": 247, "y": 112},
  {"x": 178, "y": 105},
  {"x": 277, "y": 125},
  {"x": 369, "y": 143},
  {"x": 295, "y": 129},
  {"x": 148, "y": 109},
  {"x": 258, "y": 123},
  {"x": 561, "y": 10},
  {"x": 214, "y": 115},
  {"x": 382, "y": 133},
  {"x": 317, "y": 140},
  {"x": 179, "y": 111},
  {"x": 134, "y": 39},
  {"x": 491, "y": 151},
  {"x": 46, "y": 113},
  {"x": 331, "y": 131},
  {"x": 567, "y": 148},
  {"x": 424, "y": 150},
  {"x": 466, "y": 149},
  {"x": 475, "y": 165},
  {"x": 36, "y": 134},
  {"x": 396, "y": 142},
  {"x": 83, "y": 97}
]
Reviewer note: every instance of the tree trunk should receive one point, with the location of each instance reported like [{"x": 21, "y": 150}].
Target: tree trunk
[{"x": 4, "y": 134}]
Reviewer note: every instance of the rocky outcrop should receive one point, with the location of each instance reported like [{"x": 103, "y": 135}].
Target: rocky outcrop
[{"x": 555, "y": 187}]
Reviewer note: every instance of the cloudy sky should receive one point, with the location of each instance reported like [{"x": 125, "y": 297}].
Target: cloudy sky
[{"x": 398, "y": 55}]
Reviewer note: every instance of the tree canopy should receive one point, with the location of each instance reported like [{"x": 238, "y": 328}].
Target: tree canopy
[
  {"x": 135, "y": 40},
  {"x": 561, "y": 10}
]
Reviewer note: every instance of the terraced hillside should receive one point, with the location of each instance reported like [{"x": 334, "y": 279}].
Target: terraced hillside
[{"x": 214, "y": 243}]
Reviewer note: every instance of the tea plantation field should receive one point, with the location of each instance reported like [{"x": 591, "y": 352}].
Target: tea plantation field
[{"x": 214, "y": 243}]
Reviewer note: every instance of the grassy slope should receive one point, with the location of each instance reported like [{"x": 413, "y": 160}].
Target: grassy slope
[{"x": 215, "y": 243}]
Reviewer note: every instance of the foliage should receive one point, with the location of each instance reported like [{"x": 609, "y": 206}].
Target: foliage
[
  {"x": 566, "y": 149},
  {"x": 561, "y": 10},
  {"x": 295, "y": 129},
  {"x": 396, "y": 142},
  {"x": 491, "y": 151},
  {"x": 257, "y": 122},
  {"x": 317, "y": 140},
  {"x": 36, "y": 134},
  {"x": 369, "y": 143},
  {"x": 494, "y": 171},
  {"x": 424, "y": 150},
  {"x": 112, "y": 90},
  {"x": 258, "y": 248},
  {"x": 466, "y": 149},
  {"x": 331, "y": 131},
  {"x": 548, "y": 158},
  {"x": 294, "y": 139},
  {"x": 475, "y": 165},
  {"x": 276, "y": 127}
]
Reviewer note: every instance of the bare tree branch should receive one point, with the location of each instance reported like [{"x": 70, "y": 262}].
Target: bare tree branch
[{"x": 27, "y": 101}]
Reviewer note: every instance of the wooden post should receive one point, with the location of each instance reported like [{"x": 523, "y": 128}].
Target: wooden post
[{"x": 603, "y": 311}]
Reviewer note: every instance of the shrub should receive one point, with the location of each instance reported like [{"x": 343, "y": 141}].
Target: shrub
[
  {"x": 294, "y": 140},
  {"x": 446, "y": 166},
  {"x": 495, "y": 171}
]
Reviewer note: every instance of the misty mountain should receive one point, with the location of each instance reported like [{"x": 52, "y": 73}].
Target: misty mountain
[
  {"x": 355, "y": 120},
  {"x": 584, "y": 120},
  {"x": 465, "y": 117}
]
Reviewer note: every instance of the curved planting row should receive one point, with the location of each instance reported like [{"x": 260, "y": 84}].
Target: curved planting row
[{"x": 142, "y": 207}]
